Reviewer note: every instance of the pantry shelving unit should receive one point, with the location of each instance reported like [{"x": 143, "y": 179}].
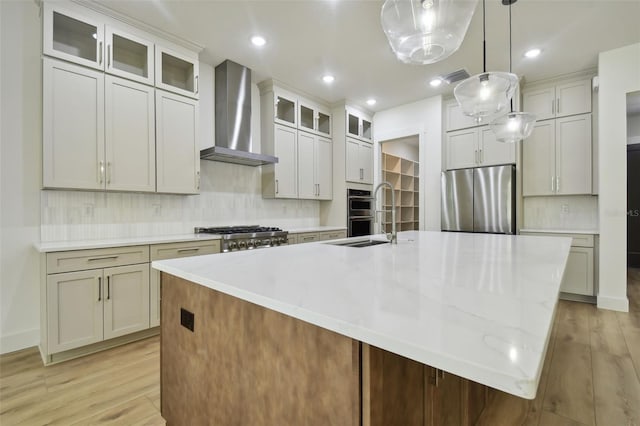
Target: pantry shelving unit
[{"x": 402, "y": 174}]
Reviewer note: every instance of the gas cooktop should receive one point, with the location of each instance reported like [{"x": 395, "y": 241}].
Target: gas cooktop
[{"x": 246, "y": 237}]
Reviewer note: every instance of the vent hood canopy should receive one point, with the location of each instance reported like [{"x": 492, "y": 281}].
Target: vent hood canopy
[{"x": 233, "y": 118}]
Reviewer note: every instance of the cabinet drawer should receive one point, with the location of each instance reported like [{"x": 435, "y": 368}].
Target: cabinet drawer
[
  {"x": 292, "y": 239},
  {"x": 175, "y": 250},
  {"x": 308, "y": 237},
  {"x": 332, "y": 235},
  {"x": 578, "y": 240},
  {"x": 78, "y": 260}
]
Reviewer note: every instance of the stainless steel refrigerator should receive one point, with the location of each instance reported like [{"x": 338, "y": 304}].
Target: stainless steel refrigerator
[{"x": 479, "y": 200}]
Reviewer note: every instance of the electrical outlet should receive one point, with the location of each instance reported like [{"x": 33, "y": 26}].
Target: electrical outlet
[
  {"x": 157, "y": 210},
  {"x": 88, "y": 210},
  {"x": 564, "y": 209}
]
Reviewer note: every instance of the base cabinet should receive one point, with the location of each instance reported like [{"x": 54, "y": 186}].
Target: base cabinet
[
  {"x": 310, "y": 237},
  {"x": 86, "y": 307}
]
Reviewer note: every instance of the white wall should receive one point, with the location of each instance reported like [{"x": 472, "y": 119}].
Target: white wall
[
  {"x": 407, "y": 148},
  {"x": 619, "y": 74},
  {"x": 20, "y": 171},
  {"x": 422, "y": 118}
]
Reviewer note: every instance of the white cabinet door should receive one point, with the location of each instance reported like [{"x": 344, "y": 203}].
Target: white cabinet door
[
  {"x": 307, "y": 188},
  {"x": 359, "y": 125},
  {"x": 130, "y": 136},
  {"x": 573, "y": 154},
  {"x": 492, "y": 152},
  {"x": 455, "y": 118},
  {"x": 126, "y": 300},
  {"x": 353, "y": 170},
  {"x": 285, "y": 107},
  {"x": 578, "y": 275},
  {"x": 366, "y": 162},
  {"x": 324, "y": 168},
  {"x": 72, "y": 36},
  {"x": 462, "y": 149},
  {"x": 285, "y": 173},
  {"x": 73, "y": 126},
  {"x": 540, "y": 102},
  {"x": 323, "y": 121},
  {"x": 177, "y": 144},
  {"x": 74, "y": 302},
  {"x": 129, "y": 56},
  {"x": 573, "y": 98},
  {"x": 538, "y": 160},
  {"x": 177, "y": 72}
]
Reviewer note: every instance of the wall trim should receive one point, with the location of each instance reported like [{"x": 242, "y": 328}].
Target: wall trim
[
  {"x": 18, "y": 341},
  {"x": 620, "y": 304}
]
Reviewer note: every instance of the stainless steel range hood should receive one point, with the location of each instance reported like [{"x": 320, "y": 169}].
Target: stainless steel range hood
[{"x": 233, "y": 118}]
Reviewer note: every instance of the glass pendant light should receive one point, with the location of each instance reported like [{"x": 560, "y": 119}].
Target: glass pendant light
[
  {"x": 487, "y": 93},
  {"x": 512, "y": 126},
  {"x": 426, "y": 31}
]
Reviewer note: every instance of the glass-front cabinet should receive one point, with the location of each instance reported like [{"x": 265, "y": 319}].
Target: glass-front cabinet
[
  {"x": 313, "y": 118},
  {"x": 73, "y": 37},
  {"x": 285, "y": 105},
  {"x": 129, "y": 56},
  {"x": 359, "y": 125},
  {"x": 177, "y": 72}
]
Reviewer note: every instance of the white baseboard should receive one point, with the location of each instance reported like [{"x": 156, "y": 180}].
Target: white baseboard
[
  {"x": 620, "y": 304},
  {"x": 17, "y": 341}
]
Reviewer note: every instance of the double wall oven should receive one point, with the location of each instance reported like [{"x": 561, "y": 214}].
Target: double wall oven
[{"x": 360, "y": 211}]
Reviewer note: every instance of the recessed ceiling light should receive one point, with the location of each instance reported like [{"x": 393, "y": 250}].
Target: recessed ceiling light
[
  {"x": 258, "y": 41},
  {"x": 532, "y": 53},
  {"x": 328, "y": 78},
  {"x": 436, "y": 82},
  {"x": 371, "y": 102}
]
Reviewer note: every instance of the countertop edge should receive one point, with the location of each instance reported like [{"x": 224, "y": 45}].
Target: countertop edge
[
  {"x": 55, "y": 246},
  {"x": 561, "y": 231}
]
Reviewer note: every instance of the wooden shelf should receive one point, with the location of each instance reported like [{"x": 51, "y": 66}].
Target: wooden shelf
[{"x": 402, "y": 174}]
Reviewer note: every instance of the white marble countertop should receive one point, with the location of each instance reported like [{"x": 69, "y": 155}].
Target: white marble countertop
[
  {"x": 480, "y": 306},
  {"x": 47, "y": 247},
  {"x": 561, "y": 231},
  {"x": 316, "y": 229}
]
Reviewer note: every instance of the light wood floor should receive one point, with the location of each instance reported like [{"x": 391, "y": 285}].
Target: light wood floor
[{"x": 591, "y": 377}]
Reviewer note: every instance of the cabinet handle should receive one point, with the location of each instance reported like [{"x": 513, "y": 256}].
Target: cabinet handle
[
  {"x": 198, "y": 179},
  {"x": 480, "y": 156},
  {"x": 197, "y": 88},
  {"x": 188, "y": 250},
  {"x": 100, "y": 171},
  {"x": 475, "y": 156},
  {"x": 553, "y": 179},
  {"x": 277, "y": 186},
  {"x": 557, "y": 183},
  {"x": 99, "y": 289},
  {"x": 100, "y": 53},
  {"x": 553, "y": 107},
  {"x": 108, "y": 287},
  {"x": 558, "y": 108},
  {"x": 108, "y": 172},
  {"x": 108, "y": 56},
  {"x": 92, "y": 259}
]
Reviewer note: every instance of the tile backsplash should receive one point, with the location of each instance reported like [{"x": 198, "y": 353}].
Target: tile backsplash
[
  {"x": 561, "y": 212},
  {"x": 230, "y": 195}
]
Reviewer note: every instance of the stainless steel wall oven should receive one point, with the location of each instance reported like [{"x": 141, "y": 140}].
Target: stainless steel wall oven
[{"x": 360, "y": 211}]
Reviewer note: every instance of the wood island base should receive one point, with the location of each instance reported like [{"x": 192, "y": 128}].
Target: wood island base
[{"x": 225, "y": 361}]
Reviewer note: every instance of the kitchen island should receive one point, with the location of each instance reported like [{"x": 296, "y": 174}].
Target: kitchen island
[{"x": 330, "y": 334}]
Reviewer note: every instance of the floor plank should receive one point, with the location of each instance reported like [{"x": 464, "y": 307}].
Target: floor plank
[
  {"x": 550, "y": 419},
  {"x": 606, "y": 335},
  {"x": 616, "y": 389}
]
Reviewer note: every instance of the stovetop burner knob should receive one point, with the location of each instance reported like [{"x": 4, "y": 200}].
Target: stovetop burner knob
[
  {"x": 232, "y": 245},
  {"x": 242, "y": 244},
  {"x": 257, "y": 243}
]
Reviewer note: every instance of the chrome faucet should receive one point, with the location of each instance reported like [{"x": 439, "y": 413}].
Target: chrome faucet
[{"x": 394, "y": 234}]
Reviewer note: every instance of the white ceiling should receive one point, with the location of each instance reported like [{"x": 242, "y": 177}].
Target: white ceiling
[{"x": 308, "y": 38}]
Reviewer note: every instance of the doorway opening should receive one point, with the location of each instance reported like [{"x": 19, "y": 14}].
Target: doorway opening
[
  {"x": 633, "y": 180},
  {"x": 401, "y": 168}
]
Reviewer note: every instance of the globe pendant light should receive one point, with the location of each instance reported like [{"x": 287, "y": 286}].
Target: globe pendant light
[
  {"x": 487, "y": 93},
  {"x": 426, "y": 31},
  {"x": 512, "y": 126}
]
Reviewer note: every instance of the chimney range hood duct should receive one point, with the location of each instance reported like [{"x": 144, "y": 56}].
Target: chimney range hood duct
[{"x": 233, "y": 118}]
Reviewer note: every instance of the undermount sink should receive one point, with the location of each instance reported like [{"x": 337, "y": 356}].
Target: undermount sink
[{"x": 361, "y": 243}]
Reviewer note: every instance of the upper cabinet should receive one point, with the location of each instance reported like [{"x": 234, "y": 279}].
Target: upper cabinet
[
  {"x": 129, "y": 56},
  {"x": 477, "y": 147},
  {"x": 285, "y": 105},
  {"x": 560, "y": 100},
  {"x": 177, "y": 72},
  {"x": 455, "y": 118},
  {"x": 359, "y": 125},
  {"x": 85, "y": 39},
  {"x": 72, "y": 36},
  {"x": 106, "y": 126},
  {"x": 313, "y": 118}
]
